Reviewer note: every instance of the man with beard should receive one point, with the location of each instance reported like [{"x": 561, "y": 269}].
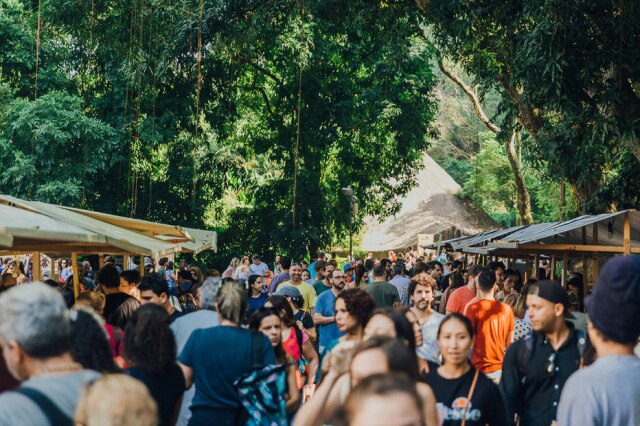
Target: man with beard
[
  {"x": 536, "y": 368},
  {"x": 323, "y": 282},
  {"x": 422, "y": 290},
  {"x": 307, "y": 291},
  {"x": 324, "y": 316}
]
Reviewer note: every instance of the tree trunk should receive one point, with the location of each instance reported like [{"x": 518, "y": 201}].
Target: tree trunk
[{"x": 523, "y": 200}]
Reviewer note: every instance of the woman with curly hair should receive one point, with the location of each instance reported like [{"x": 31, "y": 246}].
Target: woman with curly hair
[
  {"x": 90, "y": 342},
  {"x": 150, "y": 350}
]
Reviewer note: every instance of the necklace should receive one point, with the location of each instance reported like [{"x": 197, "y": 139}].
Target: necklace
[{"x": 65, "y": 367}]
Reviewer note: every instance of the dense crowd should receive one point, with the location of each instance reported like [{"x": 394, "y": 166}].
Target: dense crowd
[{"x": 402, "y": 340}]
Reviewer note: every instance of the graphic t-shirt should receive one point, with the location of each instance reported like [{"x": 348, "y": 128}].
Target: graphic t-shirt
[
  {"x": 493, "y": 322},
  {"x": 486, "y": 406}
]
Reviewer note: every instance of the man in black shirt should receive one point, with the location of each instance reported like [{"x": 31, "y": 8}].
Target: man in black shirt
[
  {"x": 119, "y": 306},
  {"x": 536, "y": 368},
  {"x": 154, "y": 289}
]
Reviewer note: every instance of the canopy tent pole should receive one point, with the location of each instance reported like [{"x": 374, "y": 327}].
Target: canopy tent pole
[
  {"x": 76, "y": 277},
  {"x": 100, "y": 260},
  {"x": 36, "y": 266}
]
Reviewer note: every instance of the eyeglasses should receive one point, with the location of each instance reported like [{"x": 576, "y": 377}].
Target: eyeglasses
[
  {"x": 552, "y": 364},
  {"x": 341, "y": 277}
]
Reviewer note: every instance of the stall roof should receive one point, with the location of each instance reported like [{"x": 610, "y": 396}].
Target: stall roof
[{"x": 114, "y": 238}]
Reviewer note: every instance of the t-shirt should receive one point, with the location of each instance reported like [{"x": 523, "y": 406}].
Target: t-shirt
[
  {"x": 429, "y": 349},
  {"x": 401, "y": 283},
  {"x": 521, "y": 329},
  {"x": 312, "y": 270},
  {"x": 319, "y": 287},
  {"x": 383, "y": 293},
  {"x": 459, "y": 299},
  {"x": 469, "y": 303},
  {"x": 176, "y": 314},
  {"x": 308, "y": 293},
  {"x": 605, "y": 393},
  {"x": 256, "y": 303},
  {"x": 325, "y": 306},
  {"x": 219, "y": 356},
  {"x": 182, "y": 329},
  {"x": 493, "y": 322},
  {"x": 166, "y": 390},
  {"x": 280, "y": 278},
  {"x": 486, "y": 406},
  {"x": 63, "y": 390},
  {"x": 118, "y": 308},
  {"x": 259, "y": 269}
]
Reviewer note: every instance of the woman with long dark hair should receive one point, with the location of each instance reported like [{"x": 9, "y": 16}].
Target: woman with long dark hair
[
  {"x": 90, "y": 345},
  {"x": 150, "y": 350},
  {"x": 462, "y": 392},
  {"x": 267, "y": 321}
]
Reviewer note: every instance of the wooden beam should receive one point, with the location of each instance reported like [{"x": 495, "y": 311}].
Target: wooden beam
[
  {"x": 100, "y": 260},
  {"x": 536, "y": 263},
  {"x": 36, "y": 265},
  {"x": 527, "y": 266},
  {"x": 565, "y": 267},
  {"x": 627, "y": 235},
  {"x": 589, "y": 248},
  {"x": 553, "y": 268},
  {"x": 76, "y": 276}
]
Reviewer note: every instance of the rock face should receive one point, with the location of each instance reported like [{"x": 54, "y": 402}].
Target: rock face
[{"x": 429, "y": 208}]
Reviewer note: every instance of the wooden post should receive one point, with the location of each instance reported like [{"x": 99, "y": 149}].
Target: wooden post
[
  {"x": 36, "y": 265},
  {"x": 141, "y": 266},
  {"x": 535, "y": 267},
  {"x": 101, "y": 260},
  {"x": 126, "y": 259},
  {"x": 527, "y": 265},
  {"x": 565, "y": 267},
  {"x": 627, "y": 235},
  {"x": 76, "y": 277},
  {"x": 553, "y": 267},
  {"x": 595, "y": 265}
]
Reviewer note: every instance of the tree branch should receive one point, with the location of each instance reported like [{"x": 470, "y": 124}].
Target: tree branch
[
  {"x": 245, "y": 59},
  {"x": 472, "y": 95}
]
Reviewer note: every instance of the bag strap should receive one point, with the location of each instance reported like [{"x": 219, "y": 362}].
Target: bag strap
[
  {"x": 256, "y": 350},
  {"x": 52, "y": 412},
  {"x": 471, "y": 389}
]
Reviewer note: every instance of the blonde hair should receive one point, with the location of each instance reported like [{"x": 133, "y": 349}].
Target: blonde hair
[
  {"x": 231, "y": 302},
  {"x": 116, "y": 400},
  {"x": 517, "y": 303}
]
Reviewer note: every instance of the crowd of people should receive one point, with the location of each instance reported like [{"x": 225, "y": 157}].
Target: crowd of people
[{"x": 402, "y": 340}]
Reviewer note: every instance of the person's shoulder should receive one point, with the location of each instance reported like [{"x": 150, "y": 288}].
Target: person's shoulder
[{"x": 16, "y": 408}]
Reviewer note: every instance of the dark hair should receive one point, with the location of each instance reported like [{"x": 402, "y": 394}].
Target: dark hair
[
  {"x": 89, "y": 343},
  {"x": 254, "y": 324},
  {"x": 518, "y": 283},
  {"x": 149, "y": 343},
  {"x": 185, "y": 275},
  {"x": 380, "y": 269},
  {"x": 359, "y": 273},
  {"x": 285, "y": 262},
  {"x": 380, "y": 385},
  {"x": 319, "y": 265},
  {"x": 456, "y": 279},
  {"x": 419, "y": 267},
  {"x": 404, "y": 328},
  {"x": 252, "y": 280},
  {"x": 475, "y": 270},
  {"x": 108, "y": 276},
  {"x": 423, "y": 279},
  {"x": 456, "y": 264},
  {"x": 400, "y": 358},
  {"x": 368, "y": 264},
  {"x": 486, "y": 279},
  {"x": 282, "y": 306},
  {"x": 433, "y": 264},
  {"x": 132, "y": 277},
  {"x": 163, "y": 261},
  {"x": 359, "y": 304},
  {"x": 154, "y": 282},
  {"x": 493, "y": 266},
  {"x": 455, "y": 316}
]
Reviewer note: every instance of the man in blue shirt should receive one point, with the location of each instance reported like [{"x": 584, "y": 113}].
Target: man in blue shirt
[{"x": 324, "y": 313}]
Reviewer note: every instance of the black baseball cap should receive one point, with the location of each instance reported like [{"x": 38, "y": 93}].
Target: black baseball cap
[{"x": 553, "y": 292}]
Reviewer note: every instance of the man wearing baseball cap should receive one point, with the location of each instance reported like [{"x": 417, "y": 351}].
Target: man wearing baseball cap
[
  {"x": 536, "y": 368},
  {"x": 608, "y": 391}
]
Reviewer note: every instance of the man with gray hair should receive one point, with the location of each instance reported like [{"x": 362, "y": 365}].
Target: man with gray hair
[
  {"x": 35, "y": 332},
  {"x": 187, "y": 324}
]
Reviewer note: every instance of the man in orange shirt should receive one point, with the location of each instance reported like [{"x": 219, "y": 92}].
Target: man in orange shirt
[
  {"x": 493, "y": 323},
  {"x": 460, "y": 297}
]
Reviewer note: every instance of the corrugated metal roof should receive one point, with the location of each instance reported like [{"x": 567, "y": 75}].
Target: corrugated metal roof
[{"x": 485, "y": 237}]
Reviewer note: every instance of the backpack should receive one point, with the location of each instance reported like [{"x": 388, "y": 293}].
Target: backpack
[
  {"x": 261, "y": 390},
  {"x": 524, "y": 351},
  {"x": 302, "y": 363}
]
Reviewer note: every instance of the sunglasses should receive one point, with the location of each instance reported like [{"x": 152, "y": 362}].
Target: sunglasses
[{"x": 552, "y": 364}]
